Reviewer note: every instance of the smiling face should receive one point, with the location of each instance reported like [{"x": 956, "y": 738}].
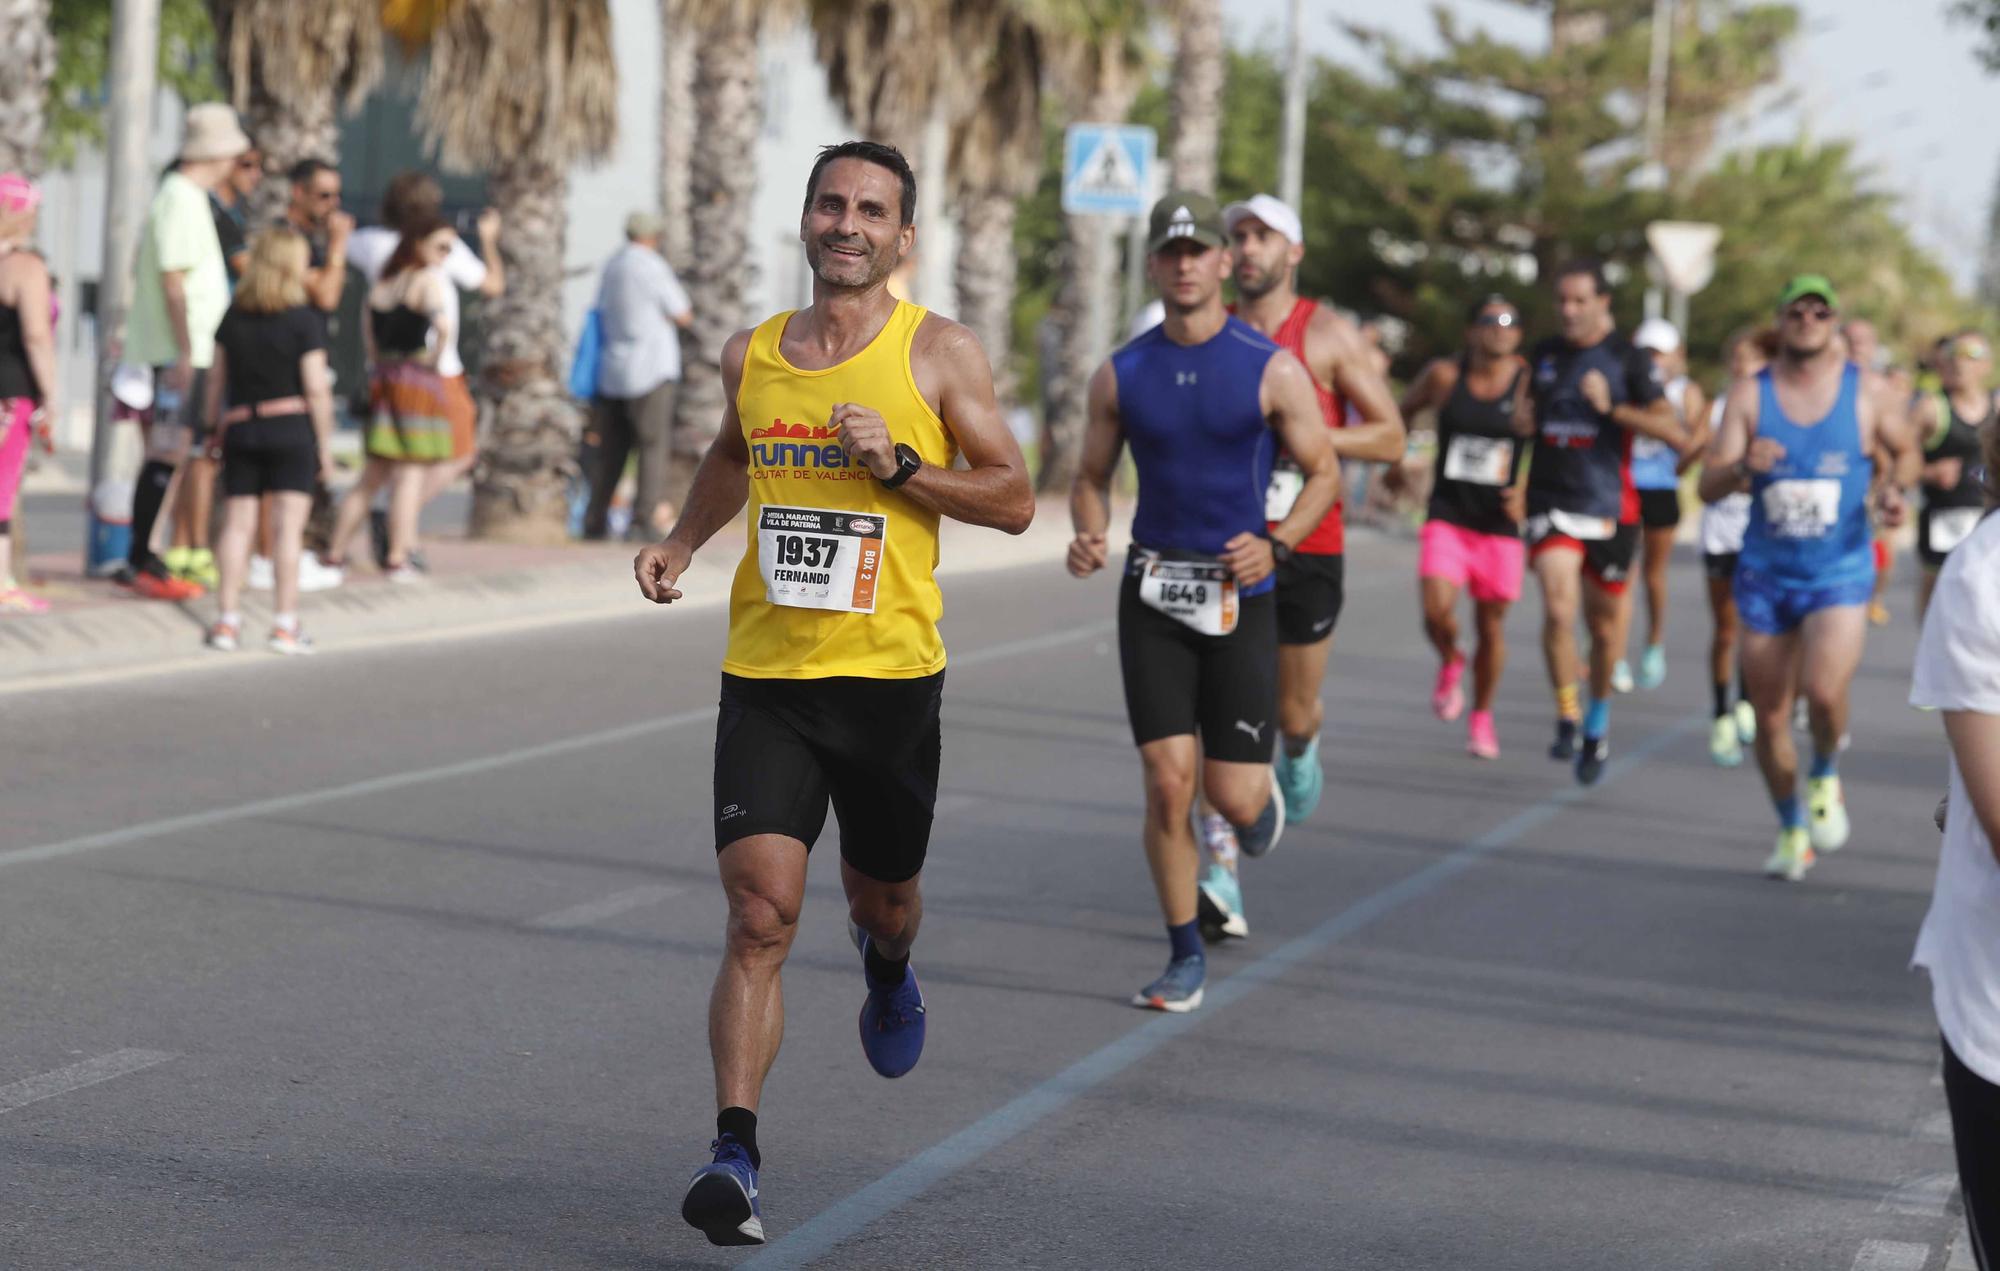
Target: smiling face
[
  {"x": 1188, "y": 273},
  {"x": 1264, "y": 257},
  {"x": 1495, "y": 331},
  {"x": 853, "y": 227}
]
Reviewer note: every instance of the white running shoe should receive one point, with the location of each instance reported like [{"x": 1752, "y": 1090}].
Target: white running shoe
[{"x": 316, "y": 575}]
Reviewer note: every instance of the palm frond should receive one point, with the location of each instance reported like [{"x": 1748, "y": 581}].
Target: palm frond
[
  {"x": 289, "y": 51},
  {"x": 521, "y": 80}
]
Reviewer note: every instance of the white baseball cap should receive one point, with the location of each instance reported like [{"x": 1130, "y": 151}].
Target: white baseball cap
[
  {"x": 1657, "y": 334},
  {"x": 1272, "y": 211}
]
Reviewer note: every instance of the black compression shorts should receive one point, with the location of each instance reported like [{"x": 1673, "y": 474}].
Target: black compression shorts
[
  {"x": 1659, "y": 509},
  {"x": 1311, "y": 588},
  {"x": 784, "y": 749},
  {"x": 1178, "y": 681}
]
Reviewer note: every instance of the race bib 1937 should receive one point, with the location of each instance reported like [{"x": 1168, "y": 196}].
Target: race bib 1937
[
  {"x": 1479, "y": 460},
  {"x": 812, "y": 558},
  {"x": 1802, "y": 507},
  {"x": 1201, "y": 594}
]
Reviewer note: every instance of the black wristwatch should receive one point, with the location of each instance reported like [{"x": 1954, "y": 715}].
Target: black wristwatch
[
  {"x": 1281, "y": 551},
  {"x": 907, "y": 463}
]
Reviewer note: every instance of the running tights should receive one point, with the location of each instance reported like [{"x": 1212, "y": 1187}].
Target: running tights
[{"x": 1975, "y": 1134}]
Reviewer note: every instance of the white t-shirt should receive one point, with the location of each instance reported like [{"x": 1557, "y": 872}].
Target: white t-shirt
[
  {"x": 1958, "y": 669},
  {"x": 637, "y": 303},
  {"x": 369, "y": 249}
]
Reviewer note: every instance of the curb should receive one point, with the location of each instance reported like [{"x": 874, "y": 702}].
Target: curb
[{"x": 136, "y": 637}]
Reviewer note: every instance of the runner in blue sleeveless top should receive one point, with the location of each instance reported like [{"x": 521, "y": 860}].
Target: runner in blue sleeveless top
[
  {"x": 1204, "y": 401},
  {"x": 1805, "y": 438}
]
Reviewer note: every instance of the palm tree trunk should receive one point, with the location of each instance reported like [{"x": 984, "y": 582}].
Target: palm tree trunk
[
  {"x": 677, "y": 119},
  {"x": 520, "y": 487},
  {"x": 985, "y": 274},
  {"x": 1082, "y": 311},
  {"x": 722, "y": 182},
  {"x": 286, "y": 132},
  {"x": 28, "y": 51},
  {"x": 1197, "y": 95}
]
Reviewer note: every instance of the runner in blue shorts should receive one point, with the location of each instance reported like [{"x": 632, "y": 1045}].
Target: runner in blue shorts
[{"x": 1805, "y": 439}]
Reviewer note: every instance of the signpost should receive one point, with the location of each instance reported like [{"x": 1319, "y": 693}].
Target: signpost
[
  {"x": 1110, "y": 170},
  {"x": 1684, "y": 252}
]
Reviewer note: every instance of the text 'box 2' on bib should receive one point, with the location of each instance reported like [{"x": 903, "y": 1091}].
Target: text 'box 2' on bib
[{"x": 813, "y": 558}]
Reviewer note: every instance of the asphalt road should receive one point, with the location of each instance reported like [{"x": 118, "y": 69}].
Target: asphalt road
[{"x": 397, "y": 958}]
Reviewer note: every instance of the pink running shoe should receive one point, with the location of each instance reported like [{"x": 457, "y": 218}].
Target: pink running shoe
[
  {"x": 1447, "y": 699},
  {"x": 1480, "y": 741},
  {"x": 14, "y": 600}
]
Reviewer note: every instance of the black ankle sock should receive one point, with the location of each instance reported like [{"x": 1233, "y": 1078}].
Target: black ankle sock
[
  {"x": 1185, "y": 940},
  {"x": 740, "y": 1124},
  {"x": 147, "y": 496},
  {"x": 881, "y": 971},
  {"x": 1721, "y": 699}
]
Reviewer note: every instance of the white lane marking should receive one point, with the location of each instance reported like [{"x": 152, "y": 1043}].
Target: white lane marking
[
  {"x": 1960, "y": 1258},
  {"x": 19, "y": 1094},
  {"x": 1891, "y": 1255},
  {"x": 846, "y": 1217},
  {"x": 596, "y": 911},
  {"x": 464, "y": 768},
  {"x": 1927, "y": 1196}
]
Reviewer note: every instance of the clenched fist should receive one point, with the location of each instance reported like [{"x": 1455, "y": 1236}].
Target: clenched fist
[
  {"x": 1597, "y": 391},
  {"x": 1087, "y": 554},
  {"x": 865, "y": 436}
]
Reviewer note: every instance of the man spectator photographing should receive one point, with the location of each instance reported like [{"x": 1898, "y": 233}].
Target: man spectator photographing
[{"x": 641, "y": 305}]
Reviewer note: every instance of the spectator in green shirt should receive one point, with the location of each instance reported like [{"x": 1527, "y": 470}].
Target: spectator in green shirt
[{"x": 179, "y": 295}]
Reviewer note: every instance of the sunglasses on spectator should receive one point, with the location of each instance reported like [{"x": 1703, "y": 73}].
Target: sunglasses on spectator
[
  {"x": 249, "y": 163},
  {"x": 1495, "y": 320}
]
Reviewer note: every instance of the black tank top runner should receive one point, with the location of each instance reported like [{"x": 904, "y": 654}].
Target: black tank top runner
[
  {"x": 1960, "y": 442},
  {"x": 17, "y": 378},
  {"x": 1476, "y": 453}
]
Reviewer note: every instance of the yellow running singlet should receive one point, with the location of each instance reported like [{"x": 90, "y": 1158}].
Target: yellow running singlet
[{"x": 836, "y": 577}]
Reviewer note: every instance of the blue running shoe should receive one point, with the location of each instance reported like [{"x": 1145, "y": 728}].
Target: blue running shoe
[
  {"x": 1258, "y": 838},
  {"x": 722, "y": 1199},
  {"x": 1220, "y": 903},
  {"x": 892, "y": 1023},
  {"x": 1179, "y": 990},
  {"x": 1300, "y": 780}
]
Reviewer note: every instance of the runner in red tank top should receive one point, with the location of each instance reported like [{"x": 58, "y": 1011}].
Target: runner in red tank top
[{"x": 1268, "y": 242}]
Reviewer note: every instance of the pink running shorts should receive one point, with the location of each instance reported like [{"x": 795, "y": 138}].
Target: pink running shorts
[
  {"x": 1487, "y": 565},
  {"x": 15, "y": 434}
]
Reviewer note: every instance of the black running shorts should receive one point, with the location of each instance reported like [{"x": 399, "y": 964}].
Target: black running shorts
[
  {"x": 1720, "y": 566},
  {"x": 784, "y": 749},
  {"x": 1311, "y": 588},
  {"x": 1178, "y": 681},
  {"x": 1607, "y": 561},
  {"x": 263, "y": 455},
  {"x": 1659, "y": 509}
]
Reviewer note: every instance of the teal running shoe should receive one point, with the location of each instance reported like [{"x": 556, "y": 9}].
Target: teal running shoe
[
  {"x": 1300, "y": 780},
  {"x": 1220, "y": 904},
  {"x": 1621, "y": 677},
  {"x": 1653, "y": 666}
]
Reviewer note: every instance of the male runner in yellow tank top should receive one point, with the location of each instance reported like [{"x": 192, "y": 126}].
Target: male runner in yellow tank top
[{"x": 840, "y": 430}]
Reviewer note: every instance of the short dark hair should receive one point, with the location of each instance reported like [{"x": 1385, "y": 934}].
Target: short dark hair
[
  {"x": 1583, "y": 267},
  {"x": 877, "y": 153},
  {"x": 306, "y": 169}
]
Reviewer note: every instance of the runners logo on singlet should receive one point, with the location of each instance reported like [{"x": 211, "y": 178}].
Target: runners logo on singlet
[{"x": 803, "y": 451}]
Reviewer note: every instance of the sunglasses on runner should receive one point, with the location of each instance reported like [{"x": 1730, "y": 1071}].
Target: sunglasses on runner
[
  {"x": 1495, "y": 320},
  {"x": 1971, "y": 350},
  {"x": 1818, "y": 312}
]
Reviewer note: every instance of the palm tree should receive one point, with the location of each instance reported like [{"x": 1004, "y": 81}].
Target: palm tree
[
  {"x": 677, "y": 112},
  {"x": 1099, "y": 54},
  {"x": 722, "y": 182},
  {"x": 291, "y": 68},
  {"x": 996, "y": 157},
  {"x": 28, "y": 51},
  {"x": 890, "y": 64},
  {"x": 522, "y": 89},
  {"x": 1197, "y": 94}
]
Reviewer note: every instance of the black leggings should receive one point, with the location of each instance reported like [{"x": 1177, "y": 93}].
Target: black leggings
[{"x": 1975, "y": 1136}]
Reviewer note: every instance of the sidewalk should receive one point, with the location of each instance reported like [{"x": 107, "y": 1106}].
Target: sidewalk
[{"x": 473, "y": 588}]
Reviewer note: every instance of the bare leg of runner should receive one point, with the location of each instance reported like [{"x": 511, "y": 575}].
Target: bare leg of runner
[{"x": 764, "y": 877}]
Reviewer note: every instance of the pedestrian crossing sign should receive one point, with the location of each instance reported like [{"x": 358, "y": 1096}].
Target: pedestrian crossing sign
[{"x": 1108, "y": 169}]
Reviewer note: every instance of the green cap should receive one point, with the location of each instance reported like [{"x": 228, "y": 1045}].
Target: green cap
[
  {"x": 1186, "y": 214},
  {"x": 1809, "y": 285}
]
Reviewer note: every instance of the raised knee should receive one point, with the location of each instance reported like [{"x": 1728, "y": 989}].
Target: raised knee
[
  {"x": 1239, "y": 807},
  {"x": 881, "y": 914}
]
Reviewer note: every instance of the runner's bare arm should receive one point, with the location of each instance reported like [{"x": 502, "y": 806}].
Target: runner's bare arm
[
  {"x": 954, "y": 376},
  {"x": 720, "y": 488},
  {"x": 1430, "y": 389},
  {"x": 1721, "y": 473},
  {"x": 1891, "y": 441},
  {"x": 1293, "y": 409},
  {"x": 1975, "y": 744},
  {"x": 1654, "y": 419},
  {"x": 1090, "y": 493},
  {"x": 1339, "y": 356},
  {"x": 1694, "y": 409}
]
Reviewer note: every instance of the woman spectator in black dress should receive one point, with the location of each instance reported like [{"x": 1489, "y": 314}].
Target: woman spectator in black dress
[{"x": 273, "y": 437}]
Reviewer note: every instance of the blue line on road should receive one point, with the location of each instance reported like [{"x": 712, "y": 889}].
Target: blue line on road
[{"x": 845, "y": 1218}]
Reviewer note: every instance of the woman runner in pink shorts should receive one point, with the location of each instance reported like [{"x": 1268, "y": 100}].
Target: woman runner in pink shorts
[{"x": 1472, "y": 539}]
